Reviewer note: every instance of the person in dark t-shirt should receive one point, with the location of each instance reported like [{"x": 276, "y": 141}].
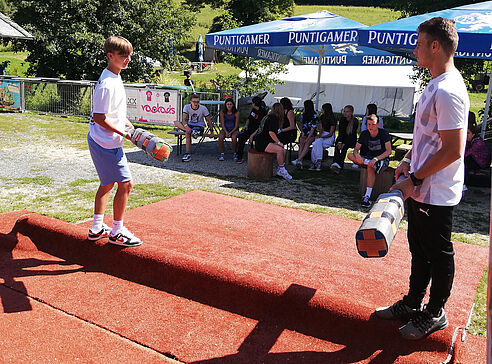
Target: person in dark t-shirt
[
  {"x": 258, "y": 112},
  {"x": 374, "y": 145}
]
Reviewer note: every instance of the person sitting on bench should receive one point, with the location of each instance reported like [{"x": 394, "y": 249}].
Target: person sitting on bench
[
  {"x": 477, "y": 155},
  {"x": 229, "y": 124},
  {"x": 375, "y": 148},
  {"x": 193, "y": 123},
  {"x": 326, "y": 136},
  {"x": 309, "y": 124},
  {"x": 288, "y": 130},
  {"x": 258, "y": 112}
]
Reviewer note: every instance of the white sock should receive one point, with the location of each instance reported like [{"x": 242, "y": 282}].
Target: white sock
[
  {"x": 368, "y": 192},
  {"x": 117, "y": 225},
  {"x": 97, "y": 223},
  {"x": 282, "y": 167}
]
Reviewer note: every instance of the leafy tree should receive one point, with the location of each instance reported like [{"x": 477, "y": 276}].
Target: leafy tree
[
  {"x": 414, "y": 7},
  {"x": 247, "y": 12},
  {"x": 70, "y": 34}
]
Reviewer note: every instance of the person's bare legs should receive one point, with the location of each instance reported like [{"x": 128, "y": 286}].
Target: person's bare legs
[
  {"x": 121, "y": 199},
  {"x": 278, "y": 150},
  {"x": 234, "y": 141},
  {"x": 221, "y": 140},
  {"x": 101, "y": 199},
  {"x": 188, "y": 139},
  {"x": 307, "y": 141},
  {"x": 371, "y": 176}
]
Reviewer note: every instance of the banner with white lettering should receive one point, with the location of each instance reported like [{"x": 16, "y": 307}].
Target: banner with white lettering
[{"x": 153, "y": 106}]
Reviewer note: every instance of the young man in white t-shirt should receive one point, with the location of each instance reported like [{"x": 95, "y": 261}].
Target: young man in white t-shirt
[
  {"x": 193, "y": 124},
  {"x": 434, "y": 168},
  {"x": 106, "y": 135}
]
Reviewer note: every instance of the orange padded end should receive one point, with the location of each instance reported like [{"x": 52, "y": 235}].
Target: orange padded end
[
  {"x": 376, "y": 214},
  {"x": 372, "y": 247},
  {"x": 162, "y": 152},
  {"x": 146, "y": 141}
]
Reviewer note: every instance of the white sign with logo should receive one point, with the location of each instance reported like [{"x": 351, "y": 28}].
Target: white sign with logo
[{"x": 153, "y": 106}]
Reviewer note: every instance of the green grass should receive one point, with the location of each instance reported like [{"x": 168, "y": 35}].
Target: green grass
[
  {"x": 17, "y": 66},
  {"x": 477, "y": 101},
  {"x": 41, "y": 180},
  {"x": 364, "y": 15}
]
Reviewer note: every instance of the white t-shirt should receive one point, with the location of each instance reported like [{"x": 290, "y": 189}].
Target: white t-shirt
[
  {"x": 196, "y": 117},
  {"x": 109, "y": 99},
  {"x": 444, "y": 105}
]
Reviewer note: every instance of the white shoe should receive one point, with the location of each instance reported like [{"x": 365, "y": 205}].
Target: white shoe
[
  {"x": 295, "y": 162},
  {"x": 282, "y": 172},
  {"x": 355, "y": 166},
  {"x": 465, "y": 188},
  {"x": 335, "y": 165}
]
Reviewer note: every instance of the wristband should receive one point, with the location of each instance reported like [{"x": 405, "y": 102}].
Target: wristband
[
  {"x": 376, "y": 158},
  {"x": 279, "y": 130},
  {"x": 124, "y": 135},
  {"x": 416, "y": 181},
  {"x": 278, "y": 143},
  {"x": 406, "y": 160}
]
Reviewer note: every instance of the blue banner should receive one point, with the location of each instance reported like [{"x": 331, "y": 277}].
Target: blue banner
[{"x": 10, "y": 97}]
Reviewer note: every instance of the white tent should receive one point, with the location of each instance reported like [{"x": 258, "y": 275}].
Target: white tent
[{"x": 389, "y": 87}]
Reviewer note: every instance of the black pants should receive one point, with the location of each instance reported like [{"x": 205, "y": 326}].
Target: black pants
[
  {"x": 340, "y": 154},
  {"x": 429, "y": 239},
  {"x": 242, "y": 138},
  {"x": 470, "y": 166}
]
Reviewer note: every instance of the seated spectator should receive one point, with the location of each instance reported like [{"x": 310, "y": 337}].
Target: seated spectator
[
  {"x": 258, "y": 112},
  {"x": 375, "y": 144},
  {"x": 288, "y": 131},
  {"x": 188, "y": 81},
  {"x": 347, "y": 137},
  {"x": 477, "y": 155},
  {"x": 193, "y": 123},
  {"x": 325, "y": 138},
  {"x": 266, "y": 139},
  {"x": 309, "y": 122},
  {"x": 371, "y": 109},
  {"x": 229, "y": 124}
]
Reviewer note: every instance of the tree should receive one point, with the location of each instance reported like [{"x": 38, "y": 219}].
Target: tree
[
  {"x": 70, "y": 34},
  {"x": 247, "y": 12}
]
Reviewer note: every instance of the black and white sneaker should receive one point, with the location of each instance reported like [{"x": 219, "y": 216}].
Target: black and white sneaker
[
  {"x": 103, "y": 233},
  {"x": 124, "y": 238},
  {"x": 365, "y": 202},
  {"x": 397, "y": 311},
  {"x": 186, "y": 157},
  {"x": 422, "y": 324}
]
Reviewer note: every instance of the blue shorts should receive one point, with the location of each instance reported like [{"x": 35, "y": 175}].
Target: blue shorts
[{"x": 111, "y": 164}]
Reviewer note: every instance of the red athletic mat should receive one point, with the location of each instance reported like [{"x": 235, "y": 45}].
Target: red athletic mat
[{"x": 222, "y": 279}]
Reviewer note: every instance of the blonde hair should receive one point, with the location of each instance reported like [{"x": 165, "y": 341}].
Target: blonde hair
[
  {"x": 278, "y": 111},
  {"x": 350, "y": 124},
  {"x": 118, "y": 44}
]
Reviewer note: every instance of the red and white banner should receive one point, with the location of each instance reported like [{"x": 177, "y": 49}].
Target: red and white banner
[{"x": 153, "y": 106}]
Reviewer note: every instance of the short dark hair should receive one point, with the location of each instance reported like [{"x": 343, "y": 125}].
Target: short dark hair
[
  {"x": 443, "y": 30},
  {"x": 372, "y": 109},
  {"x": 194, "y": 96}
]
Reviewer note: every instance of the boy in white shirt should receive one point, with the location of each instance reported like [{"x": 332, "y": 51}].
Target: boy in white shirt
[
  {"x": 434, "y": 168},
  {"x": 106, "y": 136}
]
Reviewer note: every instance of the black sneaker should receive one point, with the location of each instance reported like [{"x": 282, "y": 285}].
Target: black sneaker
[
  {"x": 398, "y": 311},
  {"x": 124, "y": 238},
  {"x": 103, "y": 233},
  {"x": 186, "y": 157},
  {"x": 422, "y": 324},
  {"x": 365, "y": 202}
]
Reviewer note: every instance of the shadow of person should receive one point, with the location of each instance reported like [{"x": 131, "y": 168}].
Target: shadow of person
[{"x": 13, "y": 295}]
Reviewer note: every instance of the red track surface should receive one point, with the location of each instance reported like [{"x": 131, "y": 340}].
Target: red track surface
[{"x": 217, "y": 280}]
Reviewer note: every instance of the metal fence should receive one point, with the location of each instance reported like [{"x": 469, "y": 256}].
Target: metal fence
[
  {"x": 65, "y": 97},
  {"x": 55, "y": 96}
]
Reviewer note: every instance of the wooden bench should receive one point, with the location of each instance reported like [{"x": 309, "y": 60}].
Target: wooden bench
[
  {"x": 180, "y": 135},
  {"x": 401, "y": 150},
  {"x": 384, "y": 181},
  {"x": 260, "y": 164}
]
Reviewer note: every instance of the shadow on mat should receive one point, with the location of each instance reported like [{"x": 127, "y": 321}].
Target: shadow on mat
[
  {"x": 11, "y": 270},
  {"x": 222, "y": 288}
]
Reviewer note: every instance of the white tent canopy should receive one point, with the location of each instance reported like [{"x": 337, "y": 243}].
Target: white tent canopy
[
  {"x": 10, "y": 29},
  {"x": 389, "y": 87}
]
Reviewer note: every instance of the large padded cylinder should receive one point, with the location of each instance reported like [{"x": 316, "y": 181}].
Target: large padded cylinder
[
  {"x": 260, "y": 165},
  {"x": 154, "y": 146},
  {"x": 379, "y": 228}
]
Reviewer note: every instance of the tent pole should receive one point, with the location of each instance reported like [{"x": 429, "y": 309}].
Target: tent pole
[
  {"x": 487, "y": 106},
  {"x": 319, "y": 80}
]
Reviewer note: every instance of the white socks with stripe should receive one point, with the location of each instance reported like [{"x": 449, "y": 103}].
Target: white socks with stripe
[{"x": 97, "y": 223}]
